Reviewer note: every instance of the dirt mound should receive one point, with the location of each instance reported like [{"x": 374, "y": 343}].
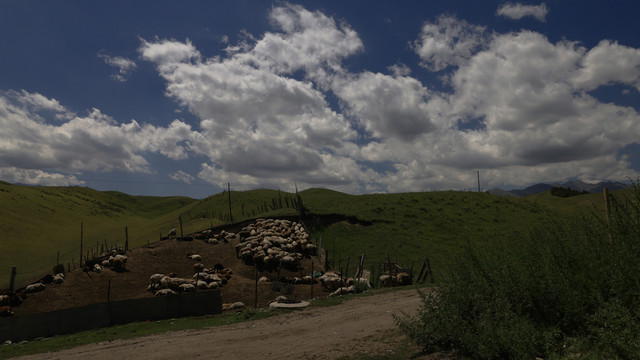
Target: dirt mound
[{"x": 165, "y": 257}]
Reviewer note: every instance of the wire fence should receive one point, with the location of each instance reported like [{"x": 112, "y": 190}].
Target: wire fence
[{"x": 69, "y": 260}]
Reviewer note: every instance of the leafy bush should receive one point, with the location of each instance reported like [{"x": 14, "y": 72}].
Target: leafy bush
[{"x": 568, "y": 287}]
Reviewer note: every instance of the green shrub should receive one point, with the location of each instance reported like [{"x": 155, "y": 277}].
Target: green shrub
[{"x": 573, "y": 281}]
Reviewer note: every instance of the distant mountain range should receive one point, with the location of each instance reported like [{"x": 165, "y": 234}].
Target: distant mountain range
[{"x": 574, "y": 185}]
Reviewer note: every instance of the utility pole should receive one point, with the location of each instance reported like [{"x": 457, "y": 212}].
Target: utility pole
[
  {"x": 478, "y": 181},
  {"x": 229, "y": 192}
]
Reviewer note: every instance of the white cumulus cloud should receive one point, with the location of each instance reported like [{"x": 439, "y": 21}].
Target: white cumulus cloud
[
  {"x": 93, "y": 142},
  {"x": 258, "y": 123},
  {"x": 518, "y": 11},
  {"x": 182, "y": 176},
  {"x": 516, "y": 106},
  {"x": 125, "y": 66},
  {"x": 37, "y": 177},
  {"x": 448, "y": 41}
]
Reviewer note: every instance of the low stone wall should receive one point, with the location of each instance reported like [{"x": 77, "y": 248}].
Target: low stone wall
[{"x": 95, "y": 316}]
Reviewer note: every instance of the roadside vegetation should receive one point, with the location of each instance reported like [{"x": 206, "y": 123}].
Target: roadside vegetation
[{"x": 568, "y": 288}]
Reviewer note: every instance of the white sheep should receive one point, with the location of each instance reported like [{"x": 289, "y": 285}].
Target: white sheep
[
  {"x": 342, "y": 291},
  {"x": 186, "y": 287},
  {"x": 165, "y": 292},
  {"x": 58, "y": 279},
  {"x": 195, "y": 257},
  {"x": 96, "y": 268},
  {"x": 155, "y": 278},
  {"x": 198, "y": 267},
  {"x": 34, "y": 288},
  {"x": 201, "y": 276},
  {"x": 235, "y": 306}
]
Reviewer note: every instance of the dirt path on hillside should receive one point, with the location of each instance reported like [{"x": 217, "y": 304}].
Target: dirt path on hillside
[{"x": 362, "y": 325}]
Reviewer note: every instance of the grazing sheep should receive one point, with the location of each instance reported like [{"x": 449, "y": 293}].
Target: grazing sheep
[
  {"x": 59, "y": 278},
  {"x": 236, "y": 306},
  {"x": 342, "y": 291},
  {"x": 388, "y": 280},
  {"x": 117, "y": 262},
  {"x": 173, "y": 232},
  {"x": 195, "y": 257},
  {"x": 11, "y": 298},
  {"x": 198, "y": 267},
  {"x": 96, "y": 268},
  {"x": 187, "y": 288},
  {"x": 165, "y": 292},
  {"x": 5, "y": 311},
  {"x": 201, "y": 276},
  {"x": 34, "y": 288},
  {"x": 404, "y": 279},
  {"x": 155, "y": 278},
  {"x": 330, "y": 281}
]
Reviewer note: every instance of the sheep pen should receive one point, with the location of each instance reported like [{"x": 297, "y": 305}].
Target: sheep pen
[{"x": 211, "y": 254}]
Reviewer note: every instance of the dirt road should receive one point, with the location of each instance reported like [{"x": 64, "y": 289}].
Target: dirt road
[{"x": 362, "y": 325}]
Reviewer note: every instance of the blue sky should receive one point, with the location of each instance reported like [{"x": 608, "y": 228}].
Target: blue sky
[{"x": 181, "y": 98}]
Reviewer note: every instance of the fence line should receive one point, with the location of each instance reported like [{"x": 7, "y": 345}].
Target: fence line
[{"x": 94, "y": 316}]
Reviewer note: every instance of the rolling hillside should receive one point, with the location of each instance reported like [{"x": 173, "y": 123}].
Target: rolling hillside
[{"x": 39, "y": 222}]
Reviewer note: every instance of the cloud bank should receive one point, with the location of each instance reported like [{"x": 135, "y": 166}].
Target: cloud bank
[{"x": 281, "y": 108}]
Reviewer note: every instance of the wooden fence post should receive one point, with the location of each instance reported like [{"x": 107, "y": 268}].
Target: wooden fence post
[
  {"x": 81, "y": 232},
  {"x": 346, "y": 271},
  {"x": 12, "y": 283},
  {"x": 256, "y": 303},
  {"x": 424, "y": 265},
  {"x": 430, "y": 272},
  {"x": 126, "y": 238},
  {"x": 311, "y": 279}
]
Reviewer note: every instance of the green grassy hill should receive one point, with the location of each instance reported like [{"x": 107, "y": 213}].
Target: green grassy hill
[
  {"x": 411, "y": 226},
  {"x": 37, "y": 223}
]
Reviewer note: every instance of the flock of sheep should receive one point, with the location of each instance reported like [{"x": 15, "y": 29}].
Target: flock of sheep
[
  {"x": 203, "y": 279},
  {"x": 10, "y": 299},
  {"x": 272, "y": 243}
]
